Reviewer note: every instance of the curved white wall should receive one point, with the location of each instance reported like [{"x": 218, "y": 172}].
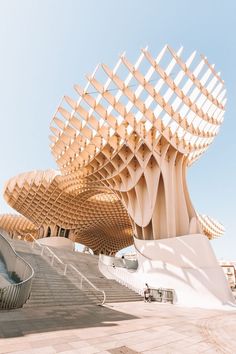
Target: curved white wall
[
  {"x": 118, "y": 262},
  {"x": 55, "y": 241},
  {"x": 186, "y": 264}
]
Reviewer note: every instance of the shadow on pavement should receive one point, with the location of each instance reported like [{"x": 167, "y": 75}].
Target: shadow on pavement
[{"x": 20, "y": 322}]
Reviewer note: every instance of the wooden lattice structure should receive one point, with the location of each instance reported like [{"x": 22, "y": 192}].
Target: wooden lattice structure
[
  {"x": 95, "y": 217},
  {"x": 138, "y": 130},
  {"x": 211, "y": 227},
  {"x": 17, "y": 225},
  {"x": 123, "y": 148}
]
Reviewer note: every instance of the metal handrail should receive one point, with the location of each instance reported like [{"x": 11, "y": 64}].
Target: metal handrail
[
  {"x": 54, "y": 256},
  {"x": 15, "y": 295},
  {"x": 122, "y": 279},
  {"x": 66, "y": 265},
  {"x": 88, "y": 281}
]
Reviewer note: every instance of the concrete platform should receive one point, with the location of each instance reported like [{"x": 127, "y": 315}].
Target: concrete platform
[{"x": 121, "y": 328}]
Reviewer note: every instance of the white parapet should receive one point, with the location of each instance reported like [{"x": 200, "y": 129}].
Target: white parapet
[
  {"x": 58, "y": 242},
  {"x": 186, "y": 264}
]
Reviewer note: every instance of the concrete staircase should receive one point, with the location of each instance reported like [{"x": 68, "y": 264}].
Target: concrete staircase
[
  {"x": 50, "y": 288},
  {"x": 88, "y": 265}
]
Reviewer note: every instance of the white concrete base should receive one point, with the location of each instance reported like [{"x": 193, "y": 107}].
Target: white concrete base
[
  {"x": 186, "y": 264},
  {"x": 59, "y": 242}
]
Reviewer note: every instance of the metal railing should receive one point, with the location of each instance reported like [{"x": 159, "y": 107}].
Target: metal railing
[
  {"x": 121, "y": 275},
  {"x": 68, "y": 270},
  {"x": 85, "y": 283},
  {"x": 162, "y": 294},
  {"x": 125, "y": 277},
  {"x": 15, "y": 295}
]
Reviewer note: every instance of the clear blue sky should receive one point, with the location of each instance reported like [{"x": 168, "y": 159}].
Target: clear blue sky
[{"x": 46, "y": 46}]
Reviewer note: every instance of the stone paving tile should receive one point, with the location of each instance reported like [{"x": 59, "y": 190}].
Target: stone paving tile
[
  {"x": 131, "y": 334},
  {"x": 91, "y": 333},
  {"x": 122, "y": 350},
  {"x": 146, "y": 345},
  {"x": 42, "y": 350},
  {"x": 162, "y": 351},
  {"x": 136, "y": 341},
  {"x": 202, "y": 347},
  {"x": 6, "y": 348},
  {"x": 169, "y": 350},
  {"x": 87, "y": 350},
  {"x": 194, "y": 339},
  {"x": 97, "y": 340},
  {"x": 109, "y": 345},
  {"x": 62, "y": 347},
  {"x": 49, "y": 341},
  {"x": 69, "y": 352},
  {"x": 80, "y": 344},
  {"x": 157, "y": 341}
]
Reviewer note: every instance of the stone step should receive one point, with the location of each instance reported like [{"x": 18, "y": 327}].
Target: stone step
[
  {"x": 53, "y": 304},
  {"x": 74, "y": 294}
]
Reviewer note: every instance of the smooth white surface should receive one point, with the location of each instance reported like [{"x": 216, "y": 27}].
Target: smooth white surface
[
  {"x": 186, "y": 264},
  {"x": 55, "y": 241},
  {"x": 118, "y": 262}
]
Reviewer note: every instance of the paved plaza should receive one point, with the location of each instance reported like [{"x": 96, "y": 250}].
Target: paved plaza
[{"x": 121, "y": 328}]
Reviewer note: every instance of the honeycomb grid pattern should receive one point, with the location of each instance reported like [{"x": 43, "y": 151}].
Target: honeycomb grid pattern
[
  {"x": 17, "y": 225},
  {"x": 96, "y": 216}
]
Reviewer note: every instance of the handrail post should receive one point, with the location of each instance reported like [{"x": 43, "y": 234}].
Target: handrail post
[
  {"x": 65, "y": 269},
  {"x": 52, "y": 259},
  {"x": 81, "y": 280}
]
